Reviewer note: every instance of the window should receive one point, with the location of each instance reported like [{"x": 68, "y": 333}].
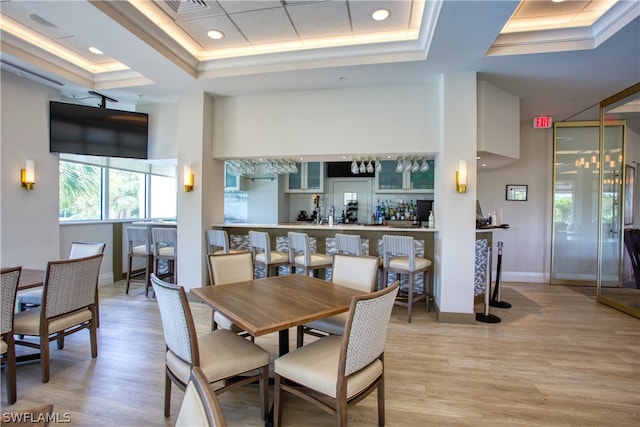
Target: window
[{"x": 100, "y": 188}]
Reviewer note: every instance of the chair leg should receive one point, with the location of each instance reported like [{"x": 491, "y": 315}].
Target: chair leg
[
  {"x": 264, "y": 391},
  {"x": 126, "y": 291},
  {"x": 277, "y": 401},
  {"x": 44, "y": 356},
  {"x": 93, "y": 333},
  {"x": 147, "y": 275},
  {"x": 10, "y": 356},
  {"x": 167, "y": 396},
  {"x": 341, "y": 410},
  {"x": 381, "y": 401},
  {"x": 427, "y": 288},
  {"x": 410, "y": 297}
]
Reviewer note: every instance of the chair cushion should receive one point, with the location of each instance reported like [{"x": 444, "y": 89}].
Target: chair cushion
[
  {"x": 315, "y": 366},
  {"x": 30, "y": 297},
  {"x": 316, "y": 259},
  {"x": 276, "y": 257},
  {"x": 28, "y": 322},
  {"x": 140, "y": 250},
  {"x": 192, "y": 412},
  {"x": 231, "y": 251},
  {"x": 225, "y": 323},
  {"x": 223, "y": 354},
  {"x": 3, "y": 347},
  {"x": 402, "y": 263},
  {"x": 333, "y": 325},
  {"x": 167, "y": 251}
]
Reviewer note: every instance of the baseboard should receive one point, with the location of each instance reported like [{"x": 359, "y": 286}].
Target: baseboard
[{"x": 522, "y": 276}]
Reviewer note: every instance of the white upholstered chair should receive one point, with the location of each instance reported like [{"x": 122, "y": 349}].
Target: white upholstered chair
[
  {"x": 200, "y": 406},
  {"x": 165, "y": 244},
  {"x": 301, "y": 257},
  {"x": 218, "y": 243},
  {"x": 355, "y": 272},
  {"x": 140, "y": 245},
  {"x": 260, "y": 243},
  {"x": 9, "y": 278},
  {"x": 226, "y": 269},
  {"x": 68, "y": 306},
  {"x": 221, "y": 354},
  {"x": 399, "y": 257},
  {"x": 343, "y": 370}
]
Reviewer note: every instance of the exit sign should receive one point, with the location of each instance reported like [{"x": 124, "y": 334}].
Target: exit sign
[{"x": 542, "y": 122}]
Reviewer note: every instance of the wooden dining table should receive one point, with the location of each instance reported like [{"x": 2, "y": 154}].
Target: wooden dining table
[
  {"x": 31, "y": 278},
  {"x": 277, "y": 303}
]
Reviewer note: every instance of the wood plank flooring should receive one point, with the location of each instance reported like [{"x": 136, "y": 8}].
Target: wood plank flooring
[{"x": 558, "y": 358}]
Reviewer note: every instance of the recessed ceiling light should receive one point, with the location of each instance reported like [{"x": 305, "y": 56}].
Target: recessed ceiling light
[
  {"x": 215, "y": 34},
  {"x": 96, "y": 50},
  {"x": 380, "y": 14},
  {"x": 484, "y": 165},
  {"x": 557, "y": 1}
]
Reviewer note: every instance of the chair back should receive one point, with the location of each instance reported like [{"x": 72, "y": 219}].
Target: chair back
[
  {"x": 398, "y": 246},
  {"x": 177, "y": 322},
  {"x": 139, "y": 236},
  {"x": 260, "y": 243},
  {"x": 365, "y": 331},
  {"x": 85, "y": 249},
  {"x": 9, "y": 278},
  {"x": 70, "y": 285},
  {"x": 350, "y": 244},
  {"x": 355, "y": 272},
  {"x": 217, "y": 239},
  {"x": 231, "y": 268},
  {"x": 165, "y": 240},
  {"x": 299, "y": 243},
  {"x": 200, "y": 405}
]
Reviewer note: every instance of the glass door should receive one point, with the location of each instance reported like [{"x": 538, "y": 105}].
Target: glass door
[{"x": 620, "y": 147}]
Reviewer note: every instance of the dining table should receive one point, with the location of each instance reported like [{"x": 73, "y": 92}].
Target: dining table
[
  {"x": 277, "y": 303},
  {"x": 31, "y": 278}
]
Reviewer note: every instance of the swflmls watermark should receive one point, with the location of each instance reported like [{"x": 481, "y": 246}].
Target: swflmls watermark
[{"x": 36, "y": 417}]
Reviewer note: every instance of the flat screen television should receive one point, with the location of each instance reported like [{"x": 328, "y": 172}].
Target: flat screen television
[
  {"x": 423, "y": 209},
  {"x": 80, "y": 129}
]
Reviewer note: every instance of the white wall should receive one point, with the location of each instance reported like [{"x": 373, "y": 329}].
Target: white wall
[
  {"x": 163, "y": 130},
  {"x": 28, "y": 219},
  {"x": 389, "y": 119},
  {"x": 102, "y": 233},
  {"x": 527, "y": 244}
]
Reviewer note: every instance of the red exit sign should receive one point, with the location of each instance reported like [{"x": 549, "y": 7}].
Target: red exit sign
[{"x": 542, "y": 122}]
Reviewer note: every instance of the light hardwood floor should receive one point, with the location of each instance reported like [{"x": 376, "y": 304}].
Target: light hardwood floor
[{"x": 557, "y": 359}]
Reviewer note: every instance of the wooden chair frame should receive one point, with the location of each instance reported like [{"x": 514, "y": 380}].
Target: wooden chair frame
[{"x": 10, "y": 278}]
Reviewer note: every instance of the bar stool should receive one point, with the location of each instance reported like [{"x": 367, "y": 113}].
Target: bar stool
[
  {"x": 260, "y": 243},
  {"x": 300, "y": 255},
  {"x": 399, "y": 257},
  {"x": 348, "y": 244},
  {"x": 140, "y": 246},
  {"x": 219, "y": 239},
  {"x": 165, "y": 242}
]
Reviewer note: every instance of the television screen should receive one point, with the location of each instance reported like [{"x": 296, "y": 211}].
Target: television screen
[
  {"x": 80, "y": 129},
  {"x": 423, "y": 208}
]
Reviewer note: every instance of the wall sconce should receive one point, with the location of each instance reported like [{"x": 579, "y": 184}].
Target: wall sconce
[
  {"x": 188, "y": 178},
  {"x": 28, "y": 175},
  {"x": 461, "y": 177}
]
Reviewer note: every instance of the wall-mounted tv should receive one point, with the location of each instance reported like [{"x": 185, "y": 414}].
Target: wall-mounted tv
[{"x": 80, "y": 129}]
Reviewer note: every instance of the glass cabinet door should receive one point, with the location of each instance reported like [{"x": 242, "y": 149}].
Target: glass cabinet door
[
  {"x": 314, "y": 176},
  {"x": 388, "y": 179},
  {"x": 294, "y": 180},
  {"x": 421, "y": 181}
]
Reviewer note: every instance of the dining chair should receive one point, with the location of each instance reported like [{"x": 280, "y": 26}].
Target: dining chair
[
  {"x": 355, "y": 272},
  {"x": 221, "y": 354},
  {"x": 33, "y": 298},
  {"x": 200, "y": 405},
  {"x": 345, "y": 369},
  {"x": 260, "y": 243},
  {"x": 301, "y": 257},
  {"x": 226, "y": 269},
  {"x": 165, "y": 243},
  {"x": 68, "y": 306},
  {"x": 350, "y": 244},
  {"x": 140, "y": 245},
  {"x": 218, "y": 243},
  {"x": 9, "y": 278},
  {"x": 399, "y": 257}
]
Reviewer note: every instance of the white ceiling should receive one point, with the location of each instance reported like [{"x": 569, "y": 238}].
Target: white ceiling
[{"x": 273, "y": 46}]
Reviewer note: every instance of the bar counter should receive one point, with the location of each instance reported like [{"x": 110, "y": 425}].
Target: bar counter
[{"x": 321, "y": 232}]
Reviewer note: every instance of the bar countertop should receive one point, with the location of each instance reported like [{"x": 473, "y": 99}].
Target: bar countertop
[{"x": 313, "y": 226}]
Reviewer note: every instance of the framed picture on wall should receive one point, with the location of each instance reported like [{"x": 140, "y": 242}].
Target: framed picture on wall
[
  {"x": 517, "y": 192},
  {"x": 629, "y": 188}
]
